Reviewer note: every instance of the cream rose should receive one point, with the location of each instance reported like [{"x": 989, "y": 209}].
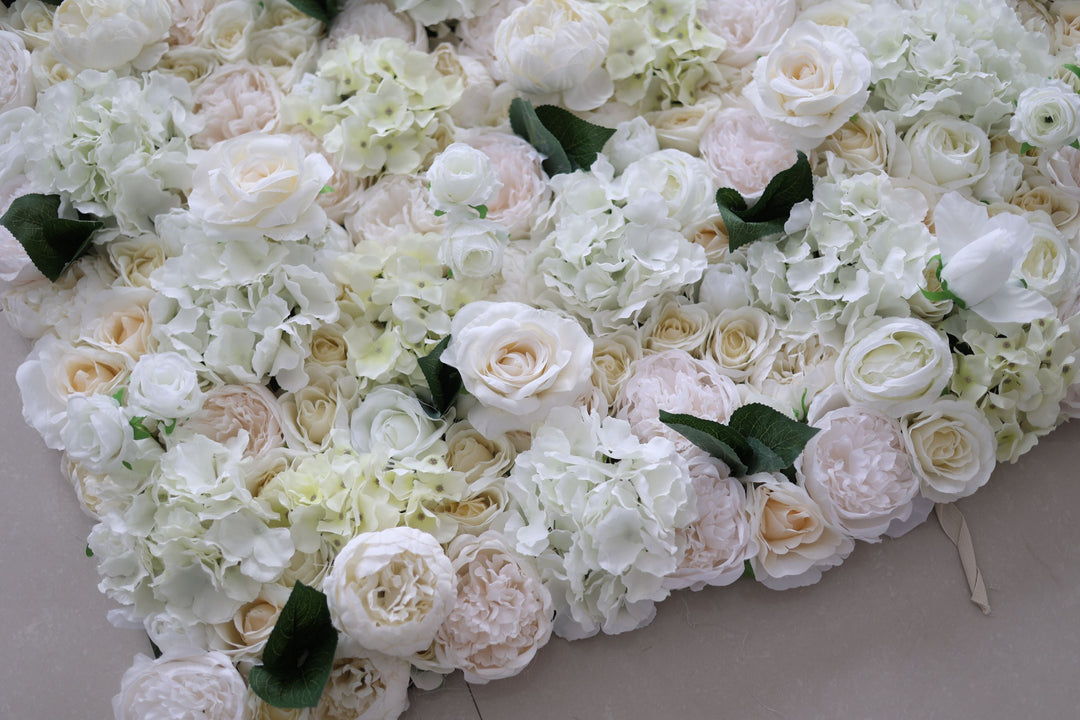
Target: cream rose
[
  {"x": 896, "y": 365},
  {"x": 858, "y": 471},
  {"x": 743, "y": 342},
  {"x": 866, "y": 144},
  {"x": 502, "y": 615},
  {"x": 811, "y": 83},
  {"x": 391, "y": 590},
  {"x": 478, "y": 457},
  {"x": 182, "y": 684},
  {"x": 260, "y": 184},
  {"x": 518, "y": 362},
  {"x": 676, "y": 326},
  {"x": 318, "y": 413},
  {"x": 109, "y": 34},
  {"x": 953, "y": 449},
  {"x": 16, "y": 77},
  {"x": 613, "y": 357},
  {"x": 243, "y": 637},
  {"x": 227, "y": 29}
]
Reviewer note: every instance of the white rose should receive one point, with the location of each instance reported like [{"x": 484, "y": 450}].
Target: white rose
[
  {"x": 742, "y": 152},
  {"x": 391, "y": 590},
  {"x": 391, "y": 422},
  {"x": 374, "y": 687},
  {"x": 633, "y": 140},
  {"x": 234, "y": 100},
  {"x": 473, "y": 248},
  {"x": 858, "y": 470},
  {"x": 750, "y": 28},
  {"x": 1062, "y": 167},
  {"x": 1047, "y": 116},
  {"x": 795, "y": 543},
  {"x": 263, "y": 184},
  {"x": 461, "y": 177},
  {"x": 896, "y": 365},
  {"x": 163, "y": 386},
  {"x": 227, "y": 28},
  {"x": 953, "y": 449},
  {"x": 502, "y": 615},
  {"x": 475, "y": 455},
  {"x": 518, "y": 362},
  {"x": 743, "y": 342},
  {"x": 553, "y": 47},
  {"x": 97, "y": 433},
  {"x": 811, "y": 82},
  {"x": 16, "y": 77},
  {"x": 182, "y": 684},
  {"x": 947, "y": 152},
  {"x": 109, "y": 34}
]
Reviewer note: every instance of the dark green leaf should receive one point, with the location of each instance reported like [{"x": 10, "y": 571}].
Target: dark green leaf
[
  {"x": 89, "y": 552},
  {"x": 748, "y": 570},
  {"x": 581, "y": 140},
  {"x": 443, "y": 380},
  {"x": 53, "y": 243},
  {"x": 525, "y": 124},
  {"x": 782, "y": 436},
  {"x": 299, "y": 653},
  {"x": 482, "y": 210},
  {"x": 718, "y": 440},
  {"x": 764, "y": 459},
  {"x": 323, "y": 10},
  {"x": 154, "y": 648},
  {"x": 768, "y": 215}
]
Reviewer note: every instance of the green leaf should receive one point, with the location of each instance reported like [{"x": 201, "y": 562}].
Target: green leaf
[
  {"x": 718, "y": 440},
  {"x": 323, "y": 10},
  {"x": 767, "y": 217},
  {"x": 748, "y": 570},
  {"x": 118, "y": 396},
  {"x": 525, "y": 124},
  {"x": 52, "y": 242},
  {"x": 1025, "y": 148},
  {"x": 777, "y": 439},
  {"x": 299, "y": 653},
  {"x": 581, "y": 140},
  {"x": 1073, "y": 69},
  {"x": 89, "y": 552},
  {"x": 141, "y": 431},
  {"x": 154, "y": 648},
  {"x": 482, "y": 210},
  {"x": 170, "y": 427},
  {"x": 443, "y": 380}
]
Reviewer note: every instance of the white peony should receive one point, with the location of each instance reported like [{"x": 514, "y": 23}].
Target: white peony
[
  {"x": 750, "y": 28},
  {"x": 370, "y": 687},
  {"x": 552, "y": 49},
  {"x": 811, "y": 83},
  {"x": 182, "y": 684},
  {"x": 518, "y": 362},
  {"x": 859, "y": 472},
  {"x": 236, "y": 99},
  {"x": 258, "y": 184},
  {"x": 952, "y": 447},
  {"x": 391, "y": 590},
  {"x": 109, "y": 34}
]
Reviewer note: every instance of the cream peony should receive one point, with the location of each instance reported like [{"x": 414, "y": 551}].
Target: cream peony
[
  {"x": 248, "y": 414},
  {"x": 554, "y": 49},
  {"x": 750, "y": 28},
  {"x": 16, "y": 79},
  {"x": 518, "y": 362},
  {"x": 524, "y": 193},
  {"x": 811, "y": 83},
  {"x": 502, "y": 615},
  {"x": 236, "y": 99},
  {"x": 109, "y": 34},
  {"x": 182, "y": 684},
  {"x": 743, "y": 152},
  {"x": 952, "y": 447},
  {"x": 391, "y": 590},
  {"x": 372, "y": 687},
  {"x": 258, "y": 184},
  {"x": 858, "y": 471}
]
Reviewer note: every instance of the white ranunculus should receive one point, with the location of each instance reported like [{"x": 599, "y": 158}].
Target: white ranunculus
[
  {"x": 109, "y": 34},
  {"x": 391, "y": 590},
  {"x": 391, "y": 422},
  {"x": 164, "y": 386},
  {"x": 553, "y": 48},
  {"x": 518, "y": 362},
  {"x": 947, "y": 152},
  {"x": 97, "y": 432},
  {"x": 980, "y": 257},
  {"x": 795, "y": 542},
  {"x": 473, "y": 248},
  {"x": 182, "y": 684},
  {"x": 896, "y": 365},
  {"x": 1047, "y": 116},
  {"x": 859, "y": 472},
  {"x": 461, "y": 177},
  {"x": 16, "y": 78},
  {"x": 750, "y": 28},
  {"x": 811, "y": 82},
  {"x": 260, "y": 185},
  {"x": 743, "y": 152},
  {"x": 952, "y": 447},
  {"x": 502, "y": 615}
]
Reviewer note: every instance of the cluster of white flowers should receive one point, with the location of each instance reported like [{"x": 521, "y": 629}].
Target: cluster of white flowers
[{"x": 311, "y": 234}]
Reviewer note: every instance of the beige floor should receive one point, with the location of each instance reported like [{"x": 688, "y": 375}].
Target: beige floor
[{"x": 890, "y": 634}]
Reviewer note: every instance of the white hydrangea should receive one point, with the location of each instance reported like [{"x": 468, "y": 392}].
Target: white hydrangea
[{"x": 599, "y": 509}]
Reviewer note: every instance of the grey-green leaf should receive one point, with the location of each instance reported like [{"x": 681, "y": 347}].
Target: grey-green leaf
[
  {"x": 782, "y": 435},
  {"x": 52, "y": 242},
  {"x": 580, "y": 139},
  {"x": 299, "y": 653},
  {"x": 525, "y": 124},
  {"x": 324, "y": 10},
  {"x": 444, "y": 381},
  {"x": 718, "y": 440},
  {"x": 768, "y": 215}
]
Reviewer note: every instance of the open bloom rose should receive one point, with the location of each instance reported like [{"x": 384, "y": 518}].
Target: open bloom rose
[
  {"x": 952, "y": 447},
  {"x": 182, "y": 684},
  {"x": 391, "y": 590},
  {"x": 811, "y": 82},
  {"x": 262, "y": 185},
  {"x": 502, "y": 615},
  {"x": 108, "y": 34},
  {"x": 858, "y": 470},
  {"x": 947, "y": 152},
  {"x": 518, "y": 362},
  {"x": 553, "y": 47}
]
